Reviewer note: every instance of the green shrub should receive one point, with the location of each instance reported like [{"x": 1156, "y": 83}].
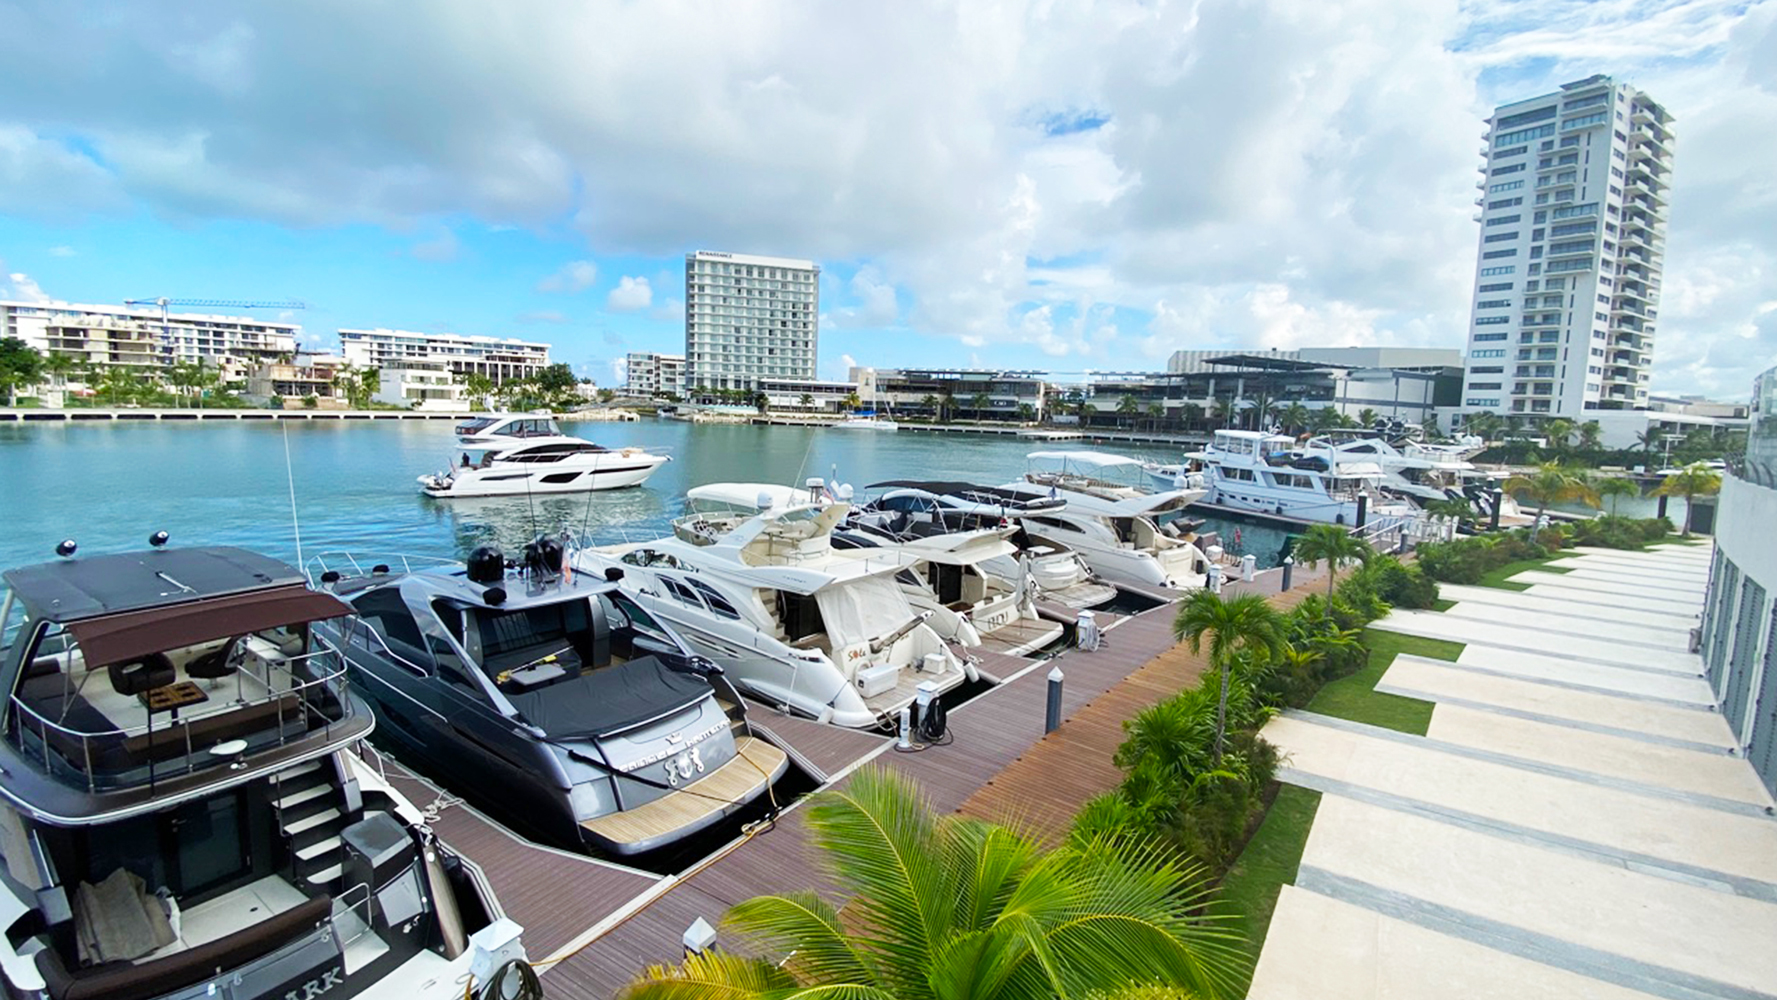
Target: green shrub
[{"x": 1395, "y": 583}]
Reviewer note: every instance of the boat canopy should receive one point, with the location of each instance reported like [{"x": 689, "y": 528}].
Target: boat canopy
[
  {"x": 960, "y": 548},
  {"x": 1103, "y": 459},
  {"x": 133, "y": 634},
  {"x": 746, "y": 496},
  {"x": 863, "y": 610}
]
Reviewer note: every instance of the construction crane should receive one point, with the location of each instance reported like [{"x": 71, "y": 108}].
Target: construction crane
[{"x": 163, "y": 302}]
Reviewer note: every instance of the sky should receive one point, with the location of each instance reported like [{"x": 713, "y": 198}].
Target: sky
[{"x": 1046, "y": 184}]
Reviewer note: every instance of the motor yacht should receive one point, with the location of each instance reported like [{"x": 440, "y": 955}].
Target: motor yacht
[
  {"x": 183, "y": 813},
  {"x": 1054, "y": 573},
  {"x": 551, "y": 699},
  {"x": 1417, "y": 472},
  {"x": 1260, "y": 472},
  {"x": 866, "y": 421},
  {"x": 752, "y": 580},
  {"x": 1127, "y": 533},
  {"x": 521, "y": 455}
]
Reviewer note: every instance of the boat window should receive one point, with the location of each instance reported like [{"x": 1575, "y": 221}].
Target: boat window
[
  {"x": 682, "y": 592},
  {"x": 451, "y": 616},
  {"x": 621, "y": 612},
  {"x": 472, "y": 426},
  {"x": 451, "y": 666},
  {"x": 383, "y": 610},
  {"x": 717, "y": 602},
  {"x": 12, "y": 620}
]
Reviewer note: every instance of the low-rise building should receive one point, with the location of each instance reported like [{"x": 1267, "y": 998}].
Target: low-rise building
[
  {"x": 430, "y": 385},
  {"x": 97, "y": 337},
  {"x": 1405, "y": 384},
  {"x": 296, "y": 380},
  {"x": 497, "y": 358},
  {"x": 812, "y": 395},
  {"x": 968, "y": 393}
]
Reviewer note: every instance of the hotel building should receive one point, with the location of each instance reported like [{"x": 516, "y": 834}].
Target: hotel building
[
  {"x": 749, "y": 318},
  {"x": 1572, "y": 210},
  {"x": 495, "y": 357}
]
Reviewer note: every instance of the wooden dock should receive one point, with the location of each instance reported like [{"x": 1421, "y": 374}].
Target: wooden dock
[{"x": 592, "y": 926}]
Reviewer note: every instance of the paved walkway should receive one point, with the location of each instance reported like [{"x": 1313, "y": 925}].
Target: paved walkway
[{"x": 1573, "y": 823}]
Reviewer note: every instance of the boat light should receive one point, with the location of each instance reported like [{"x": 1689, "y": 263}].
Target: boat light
[{"x": 66, "y": 548}]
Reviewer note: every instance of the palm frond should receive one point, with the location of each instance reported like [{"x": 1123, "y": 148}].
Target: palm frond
[
  {"x": 804, "y": 924},
  {"x": 713, "y": 975}
]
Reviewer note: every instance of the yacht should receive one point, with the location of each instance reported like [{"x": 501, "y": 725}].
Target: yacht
[
  {"x": 522, "y": 455},
  {"x": 752, "y": 580},
  {"x": 1418, "y": 472},
  {"x": 183, "y": 812},
  {"x": 971, "y": 605},
  {"x": 1053, "y": 572},
  {"x": 1128, "y": 534},
  {"x": 1260, "y": 472},
  {"x": 866, "y": 421},
  {"x": 551, "y": 699}
]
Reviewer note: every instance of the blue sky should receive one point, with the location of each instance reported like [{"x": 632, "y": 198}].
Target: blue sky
[{"x": 1067, "y": 186}]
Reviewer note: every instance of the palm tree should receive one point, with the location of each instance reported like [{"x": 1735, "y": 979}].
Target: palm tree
[
  {"x": 1323, "y": 418},
  {"x": 1366, "y": 417},
  {"x": 1694, "y": 480},
  {"x": 1645, "y": 440},
  {"x": 1612, "y": 487},
  {"x": 1223, "y": 410},
  {"x": 1294, "y": 417},
  {"x": 931, "y": 405},
  {"x": 852, "y": 402},
  {"x": 942, "y": 907},
  {"x": 806, "y": 401},
  {"x": 1026, "y": 412},
  {"x": 1085, "y": 410},
  {"x": 1334, "y": 544},
  {"x": 1261, "y": 409},
  {"x": 1557, "y": 432},
  {"x": 1591, "y": 435},
  {"x": 1484, "y": 425},
  {"x": 981, "y": 402},
  {"x": 1129, "y": 407},
  {"x": 1550, "y": 483},
  {"x": 1247, "y": 623},
  {"x": 1191, "y": 415}
]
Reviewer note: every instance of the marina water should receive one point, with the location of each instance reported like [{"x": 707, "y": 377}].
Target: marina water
[{"x": 110, "y": 484}]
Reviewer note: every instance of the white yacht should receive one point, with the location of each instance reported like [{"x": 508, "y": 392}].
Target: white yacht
[
  {"x": 1125, "y": 532},
  {"x": 516, "y": 455},
  {"x": 1260, "y": 472},
  {"x": 866, "y": 422},
  {"x": 1412, "y": 470},
  {"x": 752, "y": 581},
  {"x": 1053, "y": 572}
]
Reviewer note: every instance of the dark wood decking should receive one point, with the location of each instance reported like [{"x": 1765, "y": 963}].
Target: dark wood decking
[
  {"x": 821, "y": 750},
  {"x": 554, "y": 895}
]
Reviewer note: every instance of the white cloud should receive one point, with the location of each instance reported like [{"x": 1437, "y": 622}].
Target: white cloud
[
  {"x": 1265, "y": 172},
  {"x": 574, "y": 276},
  {"x": 20, "y": 287},
  {"x": 63, "y": 251},
  {"x": 630, "y": 295}
]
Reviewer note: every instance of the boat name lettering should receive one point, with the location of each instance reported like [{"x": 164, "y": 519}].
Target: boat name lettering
[
  {"x": 655, "y": 758},
  {"x": 315, "y": 987}
]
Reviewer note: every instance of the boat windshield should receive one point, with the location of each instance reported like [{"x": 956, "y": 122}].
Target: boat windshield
[
  {"x": 12, "y": 621},
  {"x": 475, "y": 425}
]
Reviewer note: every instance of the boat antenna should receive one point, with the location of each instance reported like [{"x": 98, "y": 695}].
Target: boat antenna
[
  {"x": 290, "y": 477},
  {"x": 531, "y": 505}
]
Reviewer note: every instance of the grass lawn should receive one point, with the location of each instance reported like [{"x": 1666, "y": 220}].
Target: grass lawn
[
  {"x": 1497, "y": 577},
  {"x": 1355, "y": 696},
  {"x": 1442, "y": 605},
  {"x": 1269, "y": 863}
]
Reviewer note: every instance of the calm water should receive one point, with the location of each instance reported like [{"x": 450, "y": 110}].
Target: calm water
[{"x": 110, "y": 486}]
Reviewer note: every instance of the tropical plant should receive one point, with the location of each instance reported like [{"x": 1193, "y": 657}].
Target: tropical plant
[
  {"x": 1558, "y": 432},
  {"x": 1223, "y": 411},
  {"x": 1591, "y": 435},
  {"x": 1483, "y": 424},
  {"x": 1294, "y": 417},
  {"x": 20, "y": 367},
  {"x": 1334, "y": 544},
  {"x": 931, "y": 404},
  {"x": 1246, "y": 622},
  {"x": 1261, "y": 409},
  {"x": 1367, "y": 417},
  {"x": 1085, "y": 410},
  {"x": 852, "y": 403},
  {"x": 1129, "y": 407},
  {"x": 1191, "y": 414},
  {"x": 1027, "y": 412},
  {"x": 1550, "y": 484},
  {"x": 1694, "y": 480},
  {"x": 981, "y": 402},
  {"x": 1646, "y": 440},
  {"x": 1324, "y": 418},
  {"x": 1611, "y": 488},
  {"x": 1156, "y": 413},
  {"x": 806, "y": 401},
  {"x": 942, "y": 908}
]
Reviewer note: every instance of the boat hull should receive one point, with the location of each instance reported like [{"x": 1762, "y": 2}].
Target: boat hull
[{"x": 614, "y": 472}]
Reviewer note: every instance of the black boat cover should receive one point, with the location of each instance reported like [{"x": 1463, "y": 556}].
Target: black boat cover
[{"x": 610, "y": 699}]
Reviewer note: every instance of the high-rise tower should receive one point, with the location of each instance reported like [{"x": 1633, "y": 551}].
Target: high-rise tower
[
  {"x": 1567, "y": 280},
  {"x": 749, "y": 318}
]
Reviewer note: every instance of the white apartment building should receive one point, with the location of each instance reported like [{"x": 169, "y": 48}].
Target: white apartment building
[
  {"x": 749, "y": 318},
  {"x": 654, "y": 375},
  {"x": 1567, "y": 279},
  {"x": 103, "y": 335},
  {"x": 429, "y": 385},
  {"x": 498, "y": 358}
]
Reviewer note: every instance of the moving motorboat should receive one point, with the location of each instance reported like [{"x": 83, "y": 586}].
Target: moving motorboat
[
  {"x": 519, "y": 455},
  {"x": 1260, "y": 472},
  {"x": 752, "y": 580},
  {"x": 183, "y": 814},
  {"x": 1125, "y": 532},
  {"x": 552, "y": 699}
]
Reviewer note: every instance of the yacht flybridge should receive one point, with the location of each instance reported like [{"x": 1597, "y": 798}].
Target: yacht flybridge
[
  {"x": 752, "y": 580},
  {"x": 552, "y": 700},
  {"x": 1260, "y": 472},
  {"x": 1126, "y": 533},
  {"x": 520, "y": 455},
  {"x": 183, "y": 812},
  {"x": 1421, "y": 472}
]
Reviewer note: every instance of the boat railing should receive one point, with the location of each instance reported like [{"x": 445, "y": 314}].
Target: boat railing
[
  {"x": 359, "y": 906},
  {"x": 107, "y": 758},
  {"x": 367, "y": 563}
]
